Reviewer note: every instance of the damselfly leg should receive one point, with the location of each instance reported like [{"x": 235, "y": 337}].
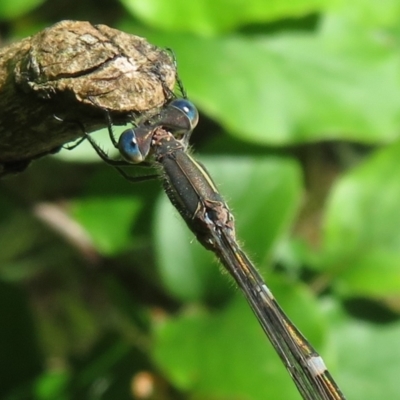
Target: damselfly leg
[
  {"x": 117, "y": 164},
  {"x": 177, "y": 78}
]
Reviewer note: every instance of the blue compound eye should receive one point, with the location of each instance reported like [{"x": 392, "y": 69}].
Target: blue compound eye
[
  {"x": 129, "y": 148},
  {"x": 188, "y": 109}
]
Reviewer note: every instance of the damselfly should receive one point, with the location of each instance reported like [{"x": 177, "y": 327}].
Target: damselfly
[{"x": 192, "y": 191}]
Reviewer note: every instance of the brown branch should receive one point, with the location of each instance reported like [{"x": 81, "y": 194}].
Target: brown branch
[{"x": 72, "y": 70}]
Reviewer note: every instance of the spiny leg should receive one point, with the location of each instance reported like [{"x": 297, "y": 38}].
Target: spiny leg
[
  {"x": 178, "y": 79},
  {"x": 76, "y": 122},
  {"x": 75, "y": 145},
  {"x": 114, "y": 141},
  {"x": 117, "y": 164}
]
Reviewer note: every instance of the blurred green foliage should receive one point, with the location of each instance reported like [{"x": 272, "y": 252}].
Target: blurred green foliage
[{"x": 104, "y": 292}]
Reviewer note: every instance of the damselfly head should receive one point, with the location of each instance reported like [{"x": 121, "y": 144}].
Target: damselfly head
[{"x": 179, "y": 117}]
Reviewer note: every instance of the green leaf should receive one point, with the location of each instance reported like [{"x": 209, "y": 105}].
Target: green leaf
[
  {"x": 225, "y": 355},
  {"x": 207, "y": 17},
  {"x": 361, "y": 227},
  {"x": 107, "y": 211},
  {"x": 262, "y": 192},
  {"x": 368, "y": 355},
  {"x": 373, "y": 272},
  {"x": 372, "y": 13},
  {"x": 107, "y": 220},
  {"x": 13, "y": 8},
  {"x": 52, "y": 385},
  {"x": 293, "y": 88}
]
